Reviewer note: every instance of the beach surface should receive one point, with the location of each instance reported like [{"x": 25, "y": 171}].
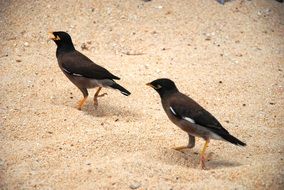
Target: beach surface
[{"x": 229, "y": 58}]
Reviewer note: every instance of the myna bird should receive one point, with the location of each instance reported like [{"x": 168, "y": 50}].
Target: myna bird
[
  {"x": 191, "y": 117},
  {"x": 81, "y": 71}
]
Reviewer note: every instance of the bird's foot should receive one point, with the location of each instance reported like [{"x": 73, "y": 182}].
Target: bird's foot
[
  {"x": 96, "y": 99},
  {"x": 202, "y": 162},
  {"x": 180, "y": 148},
  {"x": 81, "y": 103},
  {"x": 102, "y": 95},
  {"x": 96, "y": 102}
]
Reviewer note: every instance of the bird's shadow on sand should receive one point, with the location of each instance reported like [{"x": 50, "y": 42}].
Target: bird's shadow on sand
[
  {"x": 105, "y": 109},
  {"x": 190, "y": 158}
]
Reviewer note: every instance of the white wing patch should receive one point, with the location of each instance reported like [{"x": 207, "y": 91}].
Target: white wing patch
[
  {"x": 77, "y": 75},
  {"x": 185, "y": 118},
  {"x": 74, "y": 74},
  {"x": 124, "y": 93},
  {"x": 188, "y": 119},
  {"x": 173, "y": 111},
  {"x": 66, "y": 70}
]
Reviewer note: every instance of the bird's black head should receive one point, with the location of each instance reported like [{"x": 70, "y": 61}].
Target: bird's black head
[
  {"x": 163, "y": 86},
  {"x": 62, "y": 40}
]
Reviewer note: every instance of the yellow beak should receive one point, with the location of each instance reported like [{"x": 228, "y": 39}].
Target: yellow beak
[
  {"x": 149, "y": 84},
  {"x": 51, "y": 36}
]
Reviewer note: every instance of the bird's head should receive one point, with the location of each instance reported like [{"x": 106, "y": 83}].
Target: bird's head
[
  {"x": 62, "y": 39},
  {"x": 163, "y": 86}
]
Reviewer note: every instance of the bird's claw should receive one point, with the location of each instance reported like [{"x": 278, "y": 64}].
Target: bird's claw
[
  {"x": 81, "y": 103},
  {"x": 96, "y": 99},
  {"x": 96, "y": 102},
  {"x": 202, "y": 162},
  {"x": 102, "y": 95}
]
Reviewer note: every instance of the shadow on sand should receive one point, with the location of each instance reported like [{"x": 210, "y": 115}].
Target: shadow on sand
[
  {"x": 107, "y": 109},
  {"x": 190, "y": 158}
]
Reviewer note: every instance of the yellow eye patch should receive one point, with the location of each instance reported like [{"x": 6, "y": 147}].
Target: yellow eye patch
[
  {"x": 155, "y": 87},
  {"x": 56, "y": 38}
]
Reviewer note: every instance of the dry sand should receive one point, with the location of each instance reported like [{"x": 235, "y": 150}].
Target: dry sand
[{"x": 228, "y": 58}]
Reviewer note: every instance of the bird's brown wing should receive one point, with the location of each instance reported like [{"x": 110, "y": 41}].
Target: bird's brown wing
[
  {"x": 78, "y": 64},
  {"x": 184, "y": 107}
]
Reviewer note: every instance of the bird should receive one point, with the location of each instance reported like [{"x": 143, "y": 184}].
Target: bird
[
  {"x": 191, "y": 117},
  {"x": 82, "y": 71}
]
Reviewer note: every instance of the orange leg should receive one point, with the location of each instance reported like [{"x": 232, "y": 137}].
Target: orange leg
[
  {"x": 97, "y": 95},
  {"x": 202, "y": 154},
  {"x": 81, "y": 103}
]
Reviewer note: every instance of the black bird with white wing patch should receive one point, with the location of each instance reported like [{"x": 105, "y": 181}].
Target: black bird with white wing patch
[
  {"x": 81, "y": 71},
  {"x": 191, "y": 117}
]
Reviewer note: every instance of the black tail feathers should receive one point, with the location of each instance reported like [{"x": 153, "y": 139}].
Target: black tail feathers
[
  {"x": 233, "y": 140},
  {"x": 121, "y": 89}
]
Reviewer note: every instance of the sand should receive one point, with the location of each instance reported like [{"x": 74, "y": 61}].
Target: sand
[{"x": 228, "y": 58}]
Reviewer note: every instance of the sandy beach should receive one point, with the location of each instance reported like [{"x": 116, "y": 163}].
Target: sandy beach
[{"x": 229, "y": 58}]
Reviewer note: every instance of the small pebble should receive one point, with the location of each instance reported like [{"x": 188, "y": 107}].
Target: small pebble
[
  {"x": 154, "y": 32},
  {"x": 1, "y": 162},
  {"x": 146, "y": 66},
  {"x": 135, "y": 185},
  {"x": 26, "y": 44},
  {"x": 264, "y": 12}
]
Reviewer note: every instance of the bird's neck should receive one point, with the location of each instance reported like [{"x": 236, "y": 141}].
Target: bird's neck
[
  {"x": 168, "y": 93},
  {"x": 64, "y": 49}
]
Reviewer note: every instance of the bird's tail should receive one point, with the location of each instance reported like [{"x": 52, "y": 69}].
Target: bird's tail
[
  {"x": 233, "y": 139},
  {"x": 121, "y": 89}
]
